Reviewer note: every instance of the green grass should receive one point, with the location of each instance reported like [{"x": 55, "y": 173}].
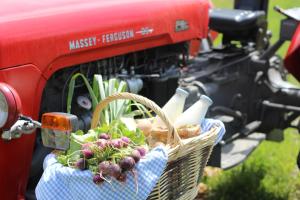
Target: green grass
[{"x": 270, "y": 173}]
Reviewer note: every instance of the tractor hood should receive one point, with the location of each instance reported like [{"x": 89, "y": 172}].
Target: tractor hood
[{"x": 52, "y": 34}]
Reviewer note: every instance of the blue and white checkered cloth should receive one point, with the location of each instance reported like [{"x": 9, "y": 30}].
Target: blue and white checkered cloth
[
  {"x": 207, "y": 124},
  {"x": 64, "y": 183}
]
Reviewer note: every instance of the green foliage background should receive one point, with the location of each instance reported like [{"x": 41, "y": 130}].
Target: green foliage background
[{"x": 270, "y": 173}]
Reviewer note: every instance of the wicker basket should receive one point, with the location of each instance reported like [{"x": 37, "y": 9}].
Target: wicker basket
[{"x": 186, "y": 158}]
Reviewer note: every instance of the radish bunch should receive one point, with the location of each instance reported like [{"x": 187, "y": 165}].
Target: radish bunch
[
  {"x": 109, "y": 151},
  {"x": 109, "y": 158}
]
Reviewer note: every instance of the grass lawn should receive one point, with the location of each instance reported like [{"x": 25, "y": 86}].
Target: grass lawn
[{"x": 270, "y": 173}]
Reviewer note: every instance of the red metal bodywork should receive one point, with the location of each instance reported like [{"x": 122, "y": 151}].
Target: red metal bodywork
[
  {"x": 35, "y": 42},
  {"x": 292, "y": 59}
]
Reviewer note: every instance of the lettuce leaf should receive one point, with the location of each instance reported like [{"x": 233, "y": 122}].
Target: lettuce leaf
[
  {"x": 78, "y": 138},
  {"x": 136, "y": 136}
]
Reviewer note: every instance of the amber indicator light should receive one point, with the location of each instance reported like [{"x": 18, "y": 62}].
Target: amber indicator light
[{"x": 56, "y": 121}]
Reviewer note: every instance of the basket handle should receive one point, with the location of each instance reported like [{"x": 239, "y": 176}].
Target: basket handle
[{"x": 146, "y": 102}]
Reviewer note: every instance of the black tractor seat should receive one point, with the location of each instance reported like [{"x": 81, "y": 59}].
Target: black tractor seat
[
  {"x": 223, "y": 20},
  {"x": 236, "y": 24}
]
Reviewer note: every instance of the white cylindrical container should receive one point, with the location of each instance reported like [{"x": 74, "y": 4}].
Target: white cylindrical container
[
  {"x": 195, "y": 114},
  {"x": 173, "y": 108}
]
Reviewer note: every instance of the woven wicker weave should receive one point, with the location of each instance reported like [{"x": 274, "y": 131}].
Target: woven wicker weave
[{"x": 187, "y": 158}]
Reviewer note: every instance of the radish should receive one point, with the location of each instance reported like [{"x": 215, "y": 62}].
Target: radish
[
  {"x": 81, "y": 164},
  {"x": 104, "y": 136},
  {"x": 135, "y": 154},
  {"x": 97, "y": 179},
  {"x": 114, "y": 170},
  {"x": 86, "y": 145},
  {"x": 116, "y": 143},
  {"x": 125, "y": 139},
  {"x": 127, "y": 164},
  {"x": 142, "y": 151},
  {"x": 102, "y": 143},
  {"x": 104, "y": 168},
  {"x": 87, "y": 153}
]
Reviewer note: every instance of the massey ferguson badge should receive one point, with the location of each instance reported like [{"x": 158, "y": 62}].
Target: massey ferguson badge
[{"x": 105, "y": 39}]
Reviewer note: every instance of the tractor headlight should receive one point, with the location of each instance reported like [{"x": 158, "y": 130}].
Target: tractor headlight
[
  {"x": 3, "y": 110},
  {"x": 10, "y": 106}
]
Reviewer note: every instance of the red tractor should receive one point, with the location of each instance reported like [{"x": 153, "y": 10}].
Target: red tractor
[
  {"x": 154, "y": 46},
  {"x": 44, "y": 43}
]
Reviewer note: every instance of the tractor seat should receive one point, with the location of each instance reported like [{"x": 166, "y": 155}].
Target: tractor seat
[{"x": 229, "y": 21}]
